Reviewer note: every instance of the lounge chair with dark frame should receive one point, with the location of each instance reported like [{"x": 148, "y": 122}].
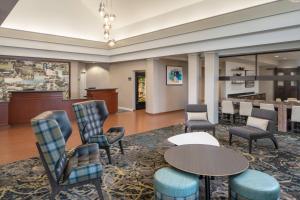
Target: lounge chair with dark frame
[
  {"x": 91, "y": 116},
  {"x": 252, "y": 133},
  {"x": 191, "y": 125},
  {"x": 82, "y": 165}
]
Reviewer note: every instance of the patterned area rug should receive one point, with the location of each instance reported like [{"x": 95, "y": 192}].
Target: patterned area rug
[{"x": 131, "y": 175}]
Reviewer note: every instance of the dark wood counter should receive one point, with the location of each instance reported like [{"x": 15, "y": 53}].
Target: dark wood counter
[
  {"x": 3, "y": 113},
  {"x": 24, "y": 105},
  {"x": 109, "y": 95}
]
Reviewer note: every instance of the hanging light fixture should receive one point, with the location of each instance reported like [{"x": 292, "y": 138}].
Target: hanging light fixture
[
  {"x": 112, "y": 17},
  {"x": 106, "y": 35},
  {"x": 108, "y": 18},
  {"x": 107, "y": 26},
  {"x": 102, "y": 8},
  {"x": 111, "y": 42}
]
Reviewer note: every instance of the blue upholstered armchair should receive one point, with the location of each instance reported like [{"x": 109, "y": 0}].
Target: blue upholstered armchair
[
  {"x": 82, "y": 166},
  {"x": 91, "y": 116}
]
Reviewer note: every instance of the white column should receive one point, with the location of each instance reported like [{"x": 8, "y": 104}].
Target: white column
[
  {"x": 212, "y": 85},
  {"x": 193, "y": 78},
  {"x": 151, "y": 85}
]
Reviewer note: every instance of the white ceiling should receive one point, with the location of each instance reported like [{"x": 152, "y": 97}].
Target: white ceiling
[{"x": 80, "y": 18}]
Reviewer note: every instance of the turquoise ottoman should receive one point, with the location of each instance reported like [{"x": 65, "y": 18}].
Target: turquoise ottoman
[
  {"x": 254, "y": 185},
  {"x": 172, "y": 184}
]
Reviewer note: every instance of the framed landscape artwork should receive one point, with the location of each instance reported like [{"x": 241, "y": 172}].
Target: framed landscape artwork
[{"x": 174, "y": 75}]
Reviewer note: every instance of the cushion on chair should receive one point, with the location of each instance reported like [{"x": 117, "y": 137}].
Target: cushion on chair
[
  {"x": 255, "y": 185},
  {"x": 196, "y": 116},
  {"x": 170, "y": 183},
  {"x": 115, "y": 134},
  {"x": 246, "y": 131},
  {"x": 258, "y": 123},
  {"x": 203, "y": 124},
  {"x": 84, "y": 164}
]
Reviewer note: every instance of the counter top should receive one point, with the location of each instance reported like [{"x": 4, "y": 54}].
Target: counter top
[
  {"x": 102, "y": 89},
  {"x": 35, "y": 91}
]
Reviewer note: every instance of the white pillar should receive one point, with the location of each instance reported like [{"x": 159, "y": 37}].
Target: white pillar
[
  {"x": 193, "y": 78},
  {"x": 212, "y": 85},
  {"x": 151, "y": 85}
]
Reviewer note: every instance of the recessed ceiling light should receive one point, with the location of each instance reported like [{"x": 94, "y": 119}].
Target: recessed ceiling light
[
  {"x": 284, "y": 58},
  {"x": 276, "y": 56}
]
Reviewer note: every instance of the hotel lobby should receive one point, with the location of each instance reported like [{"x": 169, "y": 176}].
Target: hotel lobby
[{"x": 150, "y": 99}]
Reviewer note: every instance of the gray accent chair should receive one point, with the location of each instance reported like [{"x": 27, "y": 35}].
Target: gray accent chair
[
  {"x": 203, "y": 125},
  {"x": 252, "y": 133}
]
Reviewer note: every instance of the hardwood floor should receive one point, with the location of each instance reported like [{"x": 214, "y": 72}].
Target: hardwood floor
[{"x": 18, "y": 142}]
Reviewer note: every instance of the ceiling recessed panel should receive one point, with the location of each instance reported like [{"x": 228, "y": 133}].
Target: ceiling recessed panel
[{"x": 80, "y": 18}]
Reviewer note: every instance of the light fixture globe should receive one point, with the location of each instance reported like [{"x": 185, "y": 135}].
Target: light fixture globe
[
  {"x": 102, "y": 9},
  {"x": 106, "y": 35},
  {"x": 111, "y": 43},
  {"x": 106, "y": 18},
  {"x": 107, "y": 26},
  {"x": 112, "y": 17}
]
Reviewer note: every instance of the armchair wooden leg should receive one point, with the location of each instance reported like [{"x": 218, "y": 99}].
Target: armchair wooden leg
[
  {"x": 214, "y": 132},
  {"x": 185, "y": 129},
  {"x": 121, "y": 147},
  {"x": 250, "y": 146},
  {"x": 230, "y": 139},
  {"x": 274, "y": 140},
  {"x": 293, "y": 127},
  {"x": 98, "y": 188},
  {"x": 108, "y": 155}
]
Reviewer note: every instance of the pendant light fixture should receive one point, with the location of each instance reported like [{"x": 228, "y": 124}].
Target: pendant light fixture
[{"x": 106, "y": 12}]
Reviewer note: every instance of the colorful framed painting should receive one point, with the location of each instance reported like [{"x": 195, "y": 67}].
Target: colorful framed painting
[{"x": 174, "y": 75}]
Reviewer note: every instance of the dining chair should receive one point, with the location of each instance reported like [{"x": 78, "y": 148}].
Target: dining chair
[
  {"x": 295, "y": 118},
  {"x": 64, "y": 169},
  {"x": 292, "y": 100},
  {"x": 245, "y": 110},
  {"x": 267, "y": 106},
  {"x": 228, "y": 111}
]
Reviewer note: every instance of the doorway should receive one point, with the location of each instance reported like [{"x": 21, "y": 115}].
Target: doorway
[{"x": 140, "y": 90}]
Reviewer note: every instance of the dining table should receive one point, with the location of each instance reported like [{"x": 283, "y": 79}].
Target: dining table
[{"x": 206, "y": 161}]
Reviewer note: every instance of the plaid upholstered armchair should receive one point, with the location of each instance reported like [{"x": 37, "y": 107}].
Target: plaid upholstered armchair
[
  {"x": 91, "y": 116},
  {"x": 82, "y": 166}
]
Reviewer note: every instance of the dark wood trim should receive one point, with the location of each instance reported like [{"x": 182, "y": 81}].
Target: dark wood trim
[
  {"x": 260, "y": 78},
  {"x": 260, "y": 53}
]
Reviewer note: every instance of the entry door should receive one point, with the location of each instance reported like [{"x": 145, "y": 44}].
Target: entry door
[
  {"x": 82, "y": 85},
  {"x": 140, "y": 90},
  {"x": 287, "y": 89}
]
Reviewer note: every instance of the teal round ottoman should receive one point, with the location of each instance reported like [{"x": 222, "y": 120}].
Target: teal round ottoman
[
  {"x": 172, "y": 184},
  {"x": 254, "y": 185}
]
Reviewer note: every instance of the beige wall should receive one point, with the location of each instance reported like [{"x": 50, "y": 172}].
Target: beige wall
[
  {"x": 74, "y": 78},
  {"x": 170, "y": 98},
  {"x": 97, "y": 75},
  {"x": 119, "y": 74}
]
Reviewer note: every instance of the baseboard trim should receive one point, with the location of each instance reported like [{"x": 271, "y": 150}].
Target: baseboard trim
[{"x": 124, "y": 108}]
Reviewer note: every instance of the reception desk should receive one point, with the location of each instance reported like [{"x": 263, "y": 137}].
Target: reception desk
[
  {"x": 110, "y": 96},
  {"x": 3, "y": 113},
  {"x": 24, "y": 105}
]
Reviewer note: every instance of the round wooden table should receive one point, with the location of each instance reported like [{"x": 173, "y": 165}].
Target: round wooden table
[{"x": 207, "y": 161}]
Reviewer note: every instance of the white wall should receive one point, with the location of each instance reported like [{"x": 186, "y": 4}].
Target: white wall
[{"x": 238, "y": 88}]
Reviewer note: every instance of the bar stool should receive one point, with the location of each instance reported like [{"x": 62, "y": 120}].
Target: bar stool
[
  {"x": 295, "y": 118},
  {"x": 245, "y": 110},
  {"x": 228, "y": 110},
  {"x": 266, "y": 106}
]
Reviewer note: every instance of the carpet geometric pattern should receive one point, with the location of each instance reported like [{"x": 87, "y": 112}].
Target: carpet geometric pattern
[{"x": 131, "y": 175}]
